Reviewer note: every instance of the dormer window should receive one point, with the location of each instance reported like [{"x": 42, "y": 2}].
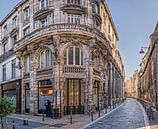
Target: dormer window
[
  {"x": 78, "y": 2},
  {"x": 44, "y": 4}
]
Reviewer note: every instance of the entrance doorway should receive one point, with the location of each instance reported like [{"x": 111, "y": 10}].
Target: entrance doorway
[{"x": 73, "y": 97}]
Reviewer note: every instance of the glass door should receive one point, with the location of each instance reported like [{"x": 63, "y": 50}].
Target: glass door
[{"x": 73, "y": 97}]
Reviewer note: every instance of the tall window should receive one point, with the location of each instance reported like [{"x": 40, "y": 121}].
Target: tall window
[
  {"x": 6, "y": 47},
  {"x": 15, "y": 22},
  {"x": 44, "y": 4},
  {"x": 73, "y": 56},
  {"x": 26, "y": 31},
  {"x": 14, "y": 39},
  {"x": 5, "y": 30},
  {"x": 27, "y": 63},
  {"x": 4, "y": 72},
  {"x": 44, "y": 22},
  {"x": 13, "y": 68},
  {"x": 95, "y": 8},
  {"x": 45, "y": 59},
  {"x": 76, "y": 19},
  {"x": 74, "y": 2},
  {"x": 26, "y": 13}
]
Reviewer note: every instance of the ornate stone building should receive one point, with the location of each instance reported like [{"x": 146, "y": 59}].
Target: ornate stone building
[
  {"x": 67, "y": 52},
  {"x": 148, "y": 74}
]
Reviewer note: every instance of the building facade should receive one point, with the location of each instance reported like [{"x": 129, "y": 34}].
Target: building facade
[
  {"x": 148, "y": 74},
  {"x": 131, "y": 85},
  {"x": 66, "y": 52}
]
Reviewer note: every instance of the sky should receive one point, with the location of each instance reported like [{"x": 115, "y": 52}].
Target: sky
[{"x": 135, "y": 20}]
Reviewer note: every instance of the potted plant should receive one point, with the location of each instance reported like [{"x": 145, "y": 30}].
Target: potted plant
[{"x": 6, "y": 108}]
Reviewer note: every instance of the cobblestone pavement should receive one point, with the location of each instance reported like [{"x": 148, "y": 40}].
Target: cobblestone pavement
[{"x": 128, "y": 116}]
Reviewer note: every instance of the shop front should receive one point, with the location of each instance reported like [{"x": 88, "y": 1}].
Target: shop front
[
  {"x": 45, "y": 93},
  {"x": 73, "y": 94},
  {"x": 13, "y": 90}
]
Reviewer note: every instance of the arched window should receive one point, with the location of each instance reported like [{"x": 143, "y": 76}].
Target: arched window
[
  {"x": 73, "y": 56},
  {"x": 45, "y": 59}
]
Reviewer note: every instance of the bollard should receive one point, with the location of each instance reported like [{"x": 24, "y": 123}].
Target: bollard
[
  {"x": 99, "y": 112},
  {"x": 70, "y": 119},
  {"x": 70, "y": 115},
  {"x": 43, "y": 115},
  {"x": 13, "y": 123},
  {"x": 91, "y": 115}
]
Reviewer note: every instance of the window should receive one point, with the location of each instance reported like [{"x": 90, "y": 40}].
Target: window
[
  {"x": 109, "y": 29},
  {"x": 95, "y": 8},
  {"x": 4, "y": 72},
  {"x": 5, "y": 30},
  {"x": 26, "y": 31},
  {"x": 73, "y": 56},
  {"x": 14, "y": 39},
  {"x": 44, "y": 4},
  {"x": 27, "y": 63},
  {"x": 76, "y": 19},
  {"x": 14, "y": 22},
  {"x": 13, "y": 68},
  {"x": 44, "y": 22},
  {"x": 74, "y": 2},
  {"x": 45, "y": 59},
  {"x": 26, "y": 13},
  {"x": 6, "y": 47}
]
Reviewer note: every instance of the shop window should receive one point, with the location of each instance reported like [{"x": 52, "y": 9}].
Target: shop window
[
  {"x": 45, "y": 93},
  {"x": 73, "y": 56}
]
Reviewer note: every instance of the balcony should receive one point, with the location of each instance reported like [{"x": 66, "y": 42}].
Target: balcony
[
  {"x": 42, "y": 13},
  {"x": 62, "y": 28},
  {"x": 73, "y": 69},
  {"x": 73, "y": 8}
]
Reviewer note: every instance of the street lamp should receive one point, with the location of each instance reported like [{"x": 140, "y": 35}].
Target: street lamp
[{"x": 142, "y": 50}]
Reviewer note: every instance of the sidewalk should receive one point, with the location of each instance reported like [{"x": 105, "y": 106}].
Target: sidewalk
[{"x": 63, "y": 123}]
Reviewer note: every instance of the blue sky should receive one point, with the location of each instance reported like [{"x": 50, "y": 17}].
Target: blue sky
[{"x": 135, "y": 21}]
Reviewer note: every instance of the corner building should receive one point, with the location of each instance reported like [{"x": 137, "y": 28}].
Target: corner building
[{"x": 67, "y": 52}]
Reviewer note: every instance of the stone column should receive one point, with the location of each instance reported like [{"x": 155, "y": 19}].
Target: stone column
[
  {"x": 89, "y": 78},
  {"x": 33, "y": 85},
  {"x": 21, "y": 67}
]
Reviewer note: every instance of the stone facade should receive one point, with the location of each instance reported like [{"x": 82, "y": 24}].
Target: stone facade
[
  {"x": 148, "y": 73},
  {"x": 67, "y": 52}
]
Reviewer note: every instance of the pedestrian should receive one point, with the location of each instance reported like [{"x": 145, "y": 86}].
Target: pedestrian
[
  {"x": 48, "y": 105},
  {"x": 150, "y": 112}
]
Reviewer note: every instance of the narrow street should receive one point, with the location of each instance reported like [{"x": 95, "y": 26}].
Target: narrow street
[{"x": 128, "y": 116}]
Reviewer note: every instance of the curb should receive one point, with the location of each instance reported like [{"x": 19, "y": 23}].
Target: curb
[
  {"x": 147, "y": 126},
  {"x": 102, "y": 116}
]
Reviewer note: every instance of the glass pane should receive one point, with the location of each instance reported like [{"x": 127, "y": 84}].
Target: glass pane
[
  {"x": 70, "y": 53},
  {"x": 77, "y": 56}
]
